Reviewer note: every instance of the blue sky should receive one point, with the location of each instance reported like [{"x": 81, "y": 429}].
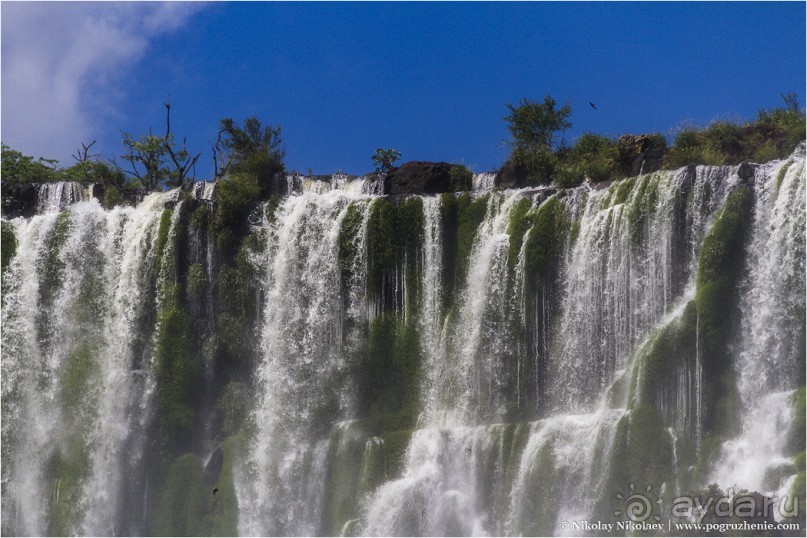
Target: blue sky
[{"x": 429, "y": 79}]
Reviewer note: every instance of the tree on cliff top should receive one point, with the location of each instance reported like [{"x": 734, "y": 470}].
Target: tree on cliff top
[
  {"x": 158, "y": 160},
  {"x": 383, "y": 159},
  {"x": 534, "y": 126},
  {"x": 534, "y": 129},
  {"x": 254, "y": 149}
]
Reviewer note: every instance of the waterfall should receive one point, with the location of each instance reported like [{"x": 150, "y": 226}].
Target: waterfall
[
  {"x": 75, "y": 391},
  {"x": 770, "y": 351},
  {"x": 337, "y": 361},
  {"x": 484, "y": 181},
  {"x": 58, "y": 195},
  {"x": 302, "y": 351}
]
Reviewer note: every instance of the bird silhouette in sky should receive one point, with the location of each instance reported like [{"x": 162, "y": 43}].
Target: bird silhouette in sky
[{"x": 592, "y": 105}]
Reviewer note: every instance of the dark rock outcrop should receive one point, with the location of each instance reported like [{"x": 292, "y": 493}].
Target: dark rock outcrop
[
  {"x": 419, "y": 177},
  {"x": 641, "y": 153},
  {"x": 511, "y": 176},
  {"x": 746, "y": 171},
  {"x": 20, "y": 199}
]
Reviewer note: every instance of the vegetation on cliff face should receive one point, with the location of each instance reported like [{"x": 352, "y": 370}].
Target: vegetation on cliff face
[{"x": 538, "y": 155}]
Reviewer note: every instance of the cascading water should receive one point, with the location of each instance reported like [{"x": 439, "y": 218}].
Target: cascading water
[
  {"x": 302, "y": 350},
  {"x": 75, "y": 389},
  {"x": 771, "y": 348},
  {"x": 56, "y": 196},
  {"x": 494, "y": 362}
]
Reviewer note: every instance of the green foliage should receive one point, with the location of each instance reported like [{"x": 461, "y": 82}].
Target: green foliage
[
  {"x": 545, "y": 242},
  {"x": 148, "y": 159},
  {"x": 112, "y": 197},
  {"x": 540, "y": 495},
  {"x": 660, "y": 359},
  {"x": 54, "y": 264},
  {"x": 719, "y": 265},
  {"x": 470, "y": 214},
  {"x": 255, "y": 150},
  {"x": 76, "y": 375},
  {"x": 535, "y": 126},
  {"x": 389, "y": 378},
  {"x": 790, "y": 119},
  {"x": 642, "y": 453},
  {"x": 461, "y": 178},
  {"x": 348, "y": 249},
  {"x": 773, "y": 135},
  {"x": 200, "y": 218},
  {"x": 197, "y": 280},
  {"x": 68, "y": 467},
  {"x": 236, "y": 196},
  {"x": 518, "y": 224},
  {"x": 158, "y": 161},
  {"x": 642, "y": 206},
  {"x": 187, "y": 505},
  {"x": 383, "y": 159},
  {"x": 178, "y": 375},
  {"x": 8, "y": 245},
  {"x": 594, "y": 157},
  {"x": 182, "y": 506},
  {"x": 95, "y": 172},
  {"x": 395, "y": 445},
  {"x": 162, "y": 235},
  {"x": 19, "y": 168},
  {"x": 238, "y": 309},
  {"x": 796, "y": 435},
  {"x": 394, "y": 231}
]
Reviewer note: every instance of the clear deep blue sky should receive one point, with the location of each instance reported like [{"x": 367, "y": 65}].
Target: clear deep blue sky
[{"x": 429, "y": 79}]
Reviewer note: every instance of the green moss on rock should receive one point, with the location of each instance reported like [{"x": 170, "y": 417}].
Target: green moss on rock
[
  {"x": 197, "y": 280},
  {"x": 716, "y": 299},
  {"x": 796, "y": 435},
  {"x": 8, "y": 244},
  {"x": 162, "y": 234}
]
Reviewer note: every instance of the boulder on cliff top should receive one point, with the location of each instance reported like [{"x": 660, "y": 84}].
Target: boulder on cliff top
[{"x": 419, "y": 177}]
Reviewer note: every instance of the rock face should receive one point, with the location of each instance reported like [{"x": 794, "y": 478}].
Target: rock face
[
  {"x": 20, "y": 199},
  {"x": 746, "y": 171},
  {"x": 641, "y": 153},
  {"x": 419, "y": 177},
  {"x": 511, "y": 176}
]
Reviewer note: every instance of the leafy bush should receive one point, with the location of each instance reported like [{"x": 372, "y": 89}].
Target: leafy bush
[
  {"x": 461, "y": 178},
  {"x": 255, "y": 149},
  {"x": 112, "y": 197},
  {"x": 593, "y": 156},
  {"x": 383, "y": 159},
  {"x": 19, "y": 168},
  {"x": 236, "y": 196},
  {"x": 789, "y": 119},
  {"x": 534, "y": 129},
  {"x": 95, "y": 172}
]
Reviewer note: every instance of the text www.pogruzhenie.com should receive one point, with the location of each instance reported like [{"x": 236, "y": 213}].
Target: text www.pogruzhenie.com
[{"x": 574, "y": 527}]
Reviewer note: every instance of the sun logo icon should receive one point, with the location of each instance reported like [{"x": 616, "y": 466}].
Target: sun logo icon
[{"x": 638, "y": 506}]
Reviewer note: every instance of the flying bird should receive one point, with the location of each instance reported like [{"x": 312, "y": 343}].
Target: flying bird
[
  {"x": 592, "y": 105},
  {"x": 215, "y": 490}
]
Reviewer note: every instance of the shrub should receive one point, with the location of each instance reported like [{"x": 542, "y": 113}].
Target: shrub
[
  {"x": 235, "y": 198},
  {"x": 461, "y": 178},
  {"x": 534, "y": 129},
  {"x": 593, "y": 156},
  {"x": 19, "y": 168},
  {"x": 383, "y": 159}
]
